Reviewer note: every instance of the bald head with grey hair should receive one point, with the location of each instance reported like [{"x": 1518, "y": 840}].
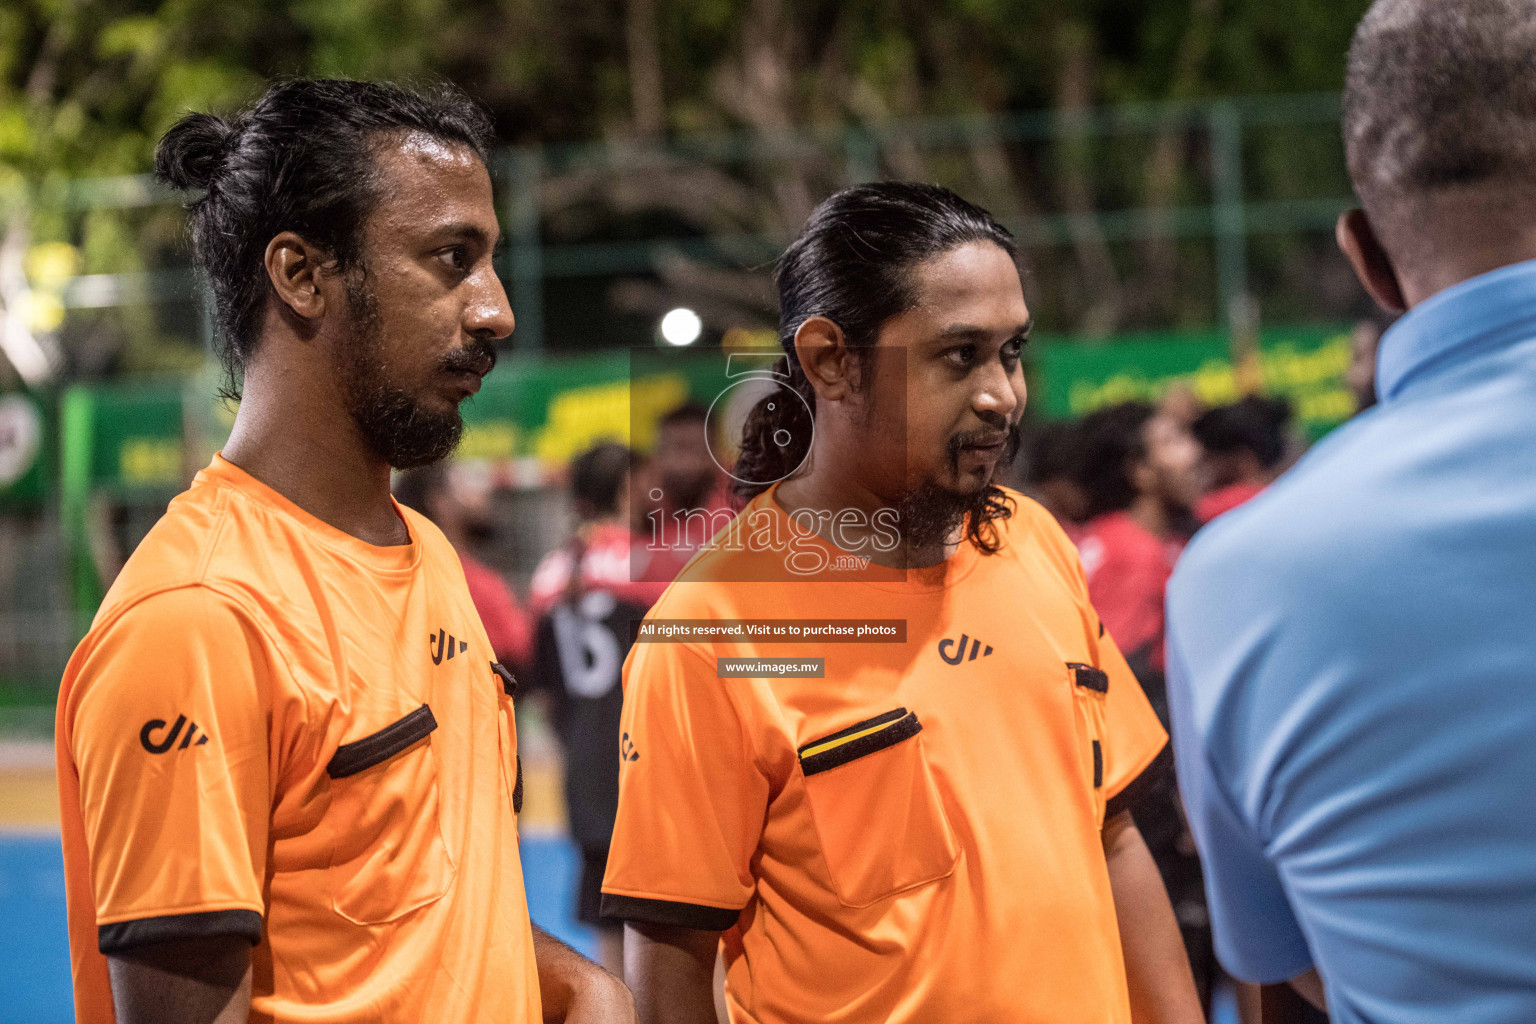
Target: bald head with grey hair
[{"x": 1440, "y": 136}]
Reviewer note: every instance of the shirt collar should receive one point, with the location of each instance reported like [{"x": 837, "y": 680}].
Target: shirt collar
[{"x": 1481, "y": 313}]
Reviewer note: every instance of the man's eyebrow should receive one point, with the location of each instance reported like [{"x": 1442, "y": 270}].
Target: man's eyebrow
[
  {"x": 971, "y": 332},
  {"x": 467, "y": 232}
]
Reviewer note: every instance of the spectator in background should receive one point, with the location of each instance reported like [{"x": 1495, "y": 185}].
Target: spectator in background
[
  {"x": 688, "y": 472},
  {"x": 1052, "y": 475},
  {"x": 587, "y": 608},
  {"x": 1180, "y": 403},
  {"x": 688, "y": 496},
  {"x": 1138, "y": 469},
  {"x": 1363, "y": 343},
  {"x": 1245, "y": 447},
  {"x": 457, "y": 498}
]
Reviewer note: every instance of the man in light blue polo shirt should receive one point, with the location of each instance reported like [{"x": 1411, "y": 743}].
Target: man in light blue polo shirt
[{"x": 1352, "y": 655}]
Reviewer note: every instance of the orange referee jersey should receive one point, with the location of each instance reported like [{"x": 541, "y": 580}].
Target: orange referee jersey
[
  {"x": 914, "y": 837},
  {"x": 278, "y": 731}
]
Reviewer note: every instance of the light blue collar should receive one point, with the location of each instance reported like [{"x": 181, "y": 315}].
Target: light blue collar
[{"x": 1489, "y": 311}]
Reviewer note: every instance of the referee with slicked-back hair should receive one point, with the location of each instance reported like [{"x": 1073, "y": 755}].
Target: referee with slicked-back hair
[{"x": 932, "y": 828}]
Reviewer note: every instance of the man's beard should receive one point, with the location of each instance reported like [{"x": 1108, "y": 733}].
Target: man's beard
[
  {"x": 931, "y": 513},
  {"x": 393, "y": 423}
]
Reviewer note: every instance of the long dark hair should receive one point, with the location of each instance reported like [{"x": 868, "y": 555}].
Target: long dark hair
[
  {"x": 852, "y": 263},
  {"x": 300, "y": 159}
]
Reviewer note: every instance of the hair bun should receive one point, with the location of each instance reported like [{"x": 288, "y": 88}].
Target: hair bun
[{"x": 191, "y": 154}]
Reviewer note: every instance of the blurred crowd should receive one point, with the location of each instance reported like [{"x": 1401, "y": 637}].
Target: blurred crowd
[{"x": 1130, "y": 484}]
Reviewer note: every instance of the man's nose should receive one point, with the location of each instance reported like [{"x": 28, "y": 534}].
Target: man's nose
[
  {"x": 996, "y": 396},
  {"x": 489, "y": 313}
]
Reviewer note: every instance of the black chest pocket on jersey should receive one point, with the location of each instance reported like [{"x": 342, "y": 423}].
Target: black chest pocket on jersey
[
  {"x": 877, "y": 811},
  {"x": 389, "y": 857},
  {"x": 1090, "y": 696}
]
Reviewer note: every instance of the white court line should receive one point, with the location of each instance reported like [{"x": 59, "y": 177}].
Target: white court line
[
  {"x": 28, "y": 832},
  {"x": 26, "y": 755}
]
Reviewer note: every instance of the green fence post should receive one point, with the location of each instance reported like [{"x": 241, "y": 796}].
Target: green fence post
[
  {"x": 521, "y": 200},
  {"x": 77, "y": 428},
  {"x": 1226, "y": 129}
]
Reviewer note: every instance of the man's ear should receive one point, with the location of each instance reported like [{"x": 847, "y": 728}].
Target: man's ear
[
  {"x": 294, "y": 268},
  {"x": 1357, "y": 238},
  {"x": 824, "y": 356}
]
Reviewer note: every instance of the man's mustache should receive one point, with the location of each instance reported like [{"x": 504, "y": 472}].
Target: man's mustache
[
  {"x": 477, "y": 357},
  {"x": 1011, "y": 439}
]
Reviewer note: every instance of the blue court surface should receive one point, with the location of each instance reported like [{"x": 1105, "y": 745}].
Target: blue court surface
[{"x": 34, "y": 944}]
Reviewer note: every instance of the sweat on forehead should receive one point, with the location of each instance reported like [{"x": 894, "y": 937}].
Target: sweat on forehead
[
  {"x": 426, "y": 186},
  {"x": 431, "y": 150}
]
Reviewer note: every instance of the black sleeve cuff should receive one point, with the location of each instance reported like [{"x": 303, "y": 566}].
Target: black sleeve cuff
[
  {"x": 668, "y": 912},
  {"x": 1142, "y": 785},
  {"x": 122, "y": 936}
]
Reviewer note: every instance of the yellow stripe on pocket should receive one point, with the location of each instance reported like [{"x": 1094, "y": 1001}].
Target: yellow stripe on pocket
[{"x": 858, "y": 739}]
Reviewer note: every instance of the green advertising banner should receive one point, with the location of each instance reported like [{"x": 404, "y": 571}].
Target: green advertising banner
[
  {"x": 546, "y": 413},
  {"x": 1305, "y": 365},
  {"x": 552, "y": 410},
  {"x": 142, "y": 439},
  {"x": 129, "y": 442},
  {"x": 139, "y": 441}
]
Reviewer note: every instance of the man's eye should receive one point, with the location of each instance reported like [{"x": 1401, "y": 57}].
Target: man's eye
[
  {"x": 456, "y": 257},
  {"x": 1012, "y": 350},
  {"x": 962, "y": 356}
]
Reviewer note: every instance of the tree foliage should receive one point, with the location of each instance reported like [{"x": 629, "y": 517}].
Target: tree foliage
[{"x": 86, "y": 86}]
